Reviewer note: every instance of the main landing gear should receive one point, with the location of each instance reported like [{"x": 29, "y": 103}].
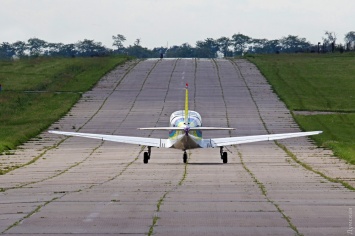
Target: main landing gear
[
  {"x": 146, "y": 156},
  {"x": 224, "y": 155}
]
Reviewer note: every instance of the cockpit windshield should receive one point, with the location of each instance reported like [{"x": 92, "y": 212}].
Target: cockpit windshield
[{"x": 181, "y": 113}]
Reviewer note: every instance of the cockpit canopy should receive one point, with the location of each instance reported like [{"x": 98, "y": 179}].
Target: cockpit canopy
[{"x": 181, "y": 114}]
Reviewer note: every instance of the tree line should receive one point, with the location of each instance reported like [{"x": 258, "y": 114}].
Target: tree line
[{"x": 238, "y": 44}]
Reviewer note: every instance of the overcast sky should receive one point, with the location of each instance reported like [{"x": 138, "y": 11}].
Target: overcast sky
[{"x": 173, "y": 22}]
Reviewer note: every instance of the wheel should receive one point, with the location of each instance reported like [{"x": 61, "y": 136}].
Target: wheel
[
  {"x": 225, "y": 157},
  {"x": 185, "y": 157},
  {"x": 145, "y": 157}
]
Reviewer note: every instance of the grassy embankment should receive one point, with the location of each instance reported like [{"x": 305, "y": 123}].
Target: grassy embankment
[
  {"x": 312, "y": 82},
  {"x": 25, "y": 114}
]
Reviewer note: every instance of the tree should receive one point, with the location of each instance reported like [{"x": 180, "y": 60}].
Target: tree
[
  {"x": 36, "y": 46},
  {"x": 185, "y": 51},
  {"x": 68, "y": 50},
  {"x": 293, "y": 43},
  {"x": 118, "y": 42},
  {"x": 240, "y": 42},
  {"x": 7, "y": 51},
  {"x": 224, "y": 43},
  {"x": 139, "y": 51},
  {"x": 90, "y": 48},
  {"x": 207, "y": 48},
  {"x": 20, "y": 48},
  {"x": 350, "y": 40},
  {"x": 137, "y": 42},
  {"x": 329, "y": 37},
  {"x": 53, "y": 49},
  {"x": 329, "y": 40},
  {"x": 272, "y": 46},
  {"x": 257, "y": 46}
]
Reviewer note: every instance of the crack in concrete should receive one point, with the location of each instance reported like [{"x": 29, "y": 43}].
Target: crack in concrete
[
  {"x": 264, "y": 192},
  {"x": 113, "y": 90},
  {"x": 308, "y": 167},
  {"x": 223, "y": 97},
  {"x": 161, "y": 200},
  {"x": 260, "y": 184},
  {"x": 37, "y": 209}
]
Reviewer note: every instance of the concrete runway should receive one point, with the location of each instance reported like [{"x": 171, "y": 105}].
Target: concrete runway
[{"x": 89, "y": 187}]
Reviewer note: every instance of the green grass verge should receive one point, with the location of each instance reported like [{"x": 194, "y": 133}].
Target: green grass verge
[
  {"x": 338, "y": 135},
  {"x": 312, "y": 82},
  {"x": 56, "y": 85}
]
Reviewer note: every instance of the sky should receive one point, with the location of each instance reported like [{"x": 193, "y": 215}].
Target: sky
[{"x": 161, "y": 23}]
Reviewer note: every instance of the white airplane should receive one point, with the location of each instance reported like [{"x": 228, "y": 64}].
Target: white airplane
[{"x": 185, "y": 132}]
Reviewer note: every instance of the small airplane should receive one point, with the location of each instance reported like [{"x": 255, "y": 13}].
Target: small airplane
[{"x": 185, "y": 132}]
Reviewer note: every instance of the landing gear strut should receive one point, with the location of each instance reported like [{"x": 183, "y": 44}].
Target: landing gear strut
[
  {"x": 184, "y": 157},
  {"x": 146, "y": 155},
  {"x": 224, "y": 155}
]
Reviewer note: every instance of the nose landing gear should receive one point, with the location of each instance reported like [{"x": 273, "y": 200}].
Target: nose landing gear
[{"x": 184, "y": 157}]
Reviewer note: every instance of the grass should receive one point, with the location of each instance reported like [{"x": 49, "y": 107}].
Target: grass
[
  {"x": 338, "y": 135},
  {"x": 37, "y": 92},
  {"x": 313, "y": 82}
]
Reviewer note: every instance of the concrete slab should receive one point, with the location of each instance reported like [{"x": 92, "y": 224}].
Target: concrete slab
[{"x": 81, "y": 186}]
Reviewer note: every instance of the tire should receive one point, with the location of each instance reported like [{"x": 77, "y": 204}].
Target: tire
[
  {"x": 145, "y": 157},
  {"x": 225, "y": 157},
  {"x": 185, "y": 157}
]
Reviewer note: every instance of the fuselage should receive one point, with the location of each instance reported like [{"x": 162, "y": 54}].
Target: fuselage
[{"x": 186, "y": 138}]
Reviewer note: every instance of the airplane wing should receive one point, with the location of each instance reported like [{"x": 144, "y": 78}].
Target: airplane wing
[
  {"x": 220, "y": 142},
  {"x": 151, "y": 142},
  {"x": 162, "y": 128},
  {"x": 190, "y": 128},
  {"x": 210, "y": 128}
]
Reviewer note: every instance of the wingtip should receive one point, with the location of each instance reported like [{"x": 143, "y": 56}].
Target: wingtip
[
  {"x": 317, "y": 131},
  {"x": 314, "y": 132}
]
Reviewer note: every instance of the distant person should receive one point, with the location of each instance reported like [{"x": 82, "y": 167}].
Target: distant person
[{"x": 161, "y": 54}]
